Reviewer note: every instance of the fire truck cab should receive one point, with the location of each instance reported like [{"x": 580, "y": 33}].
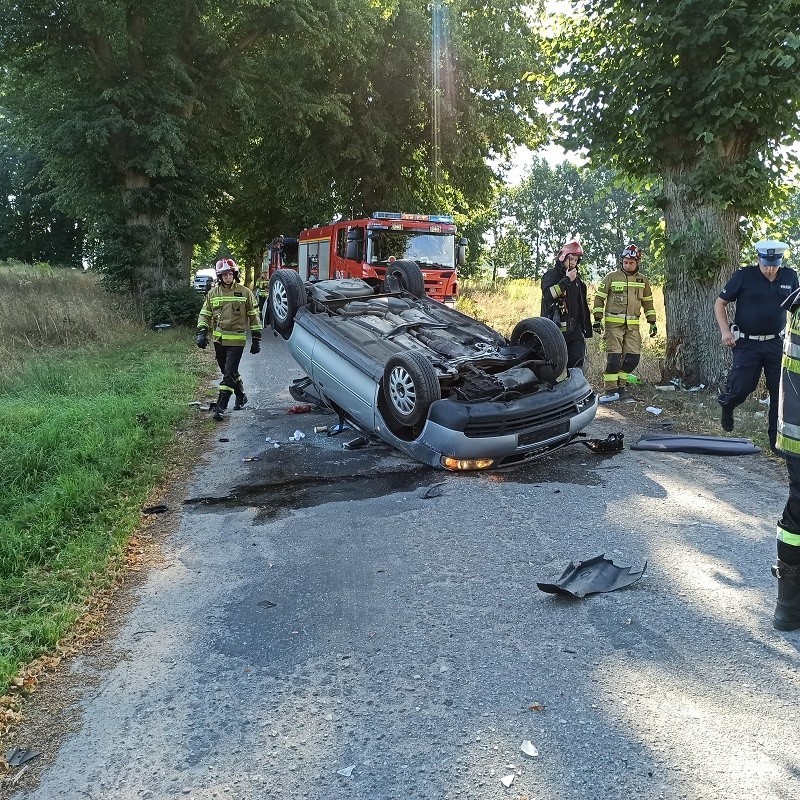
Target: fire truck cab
[{"x": 363, "y": 248}]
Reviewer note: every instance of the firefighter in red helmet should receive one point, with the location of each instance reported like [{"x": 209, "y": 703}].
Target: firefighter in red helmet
[
  {"x": 228, "y": 311},
  {"x": 564, "y": 300}
]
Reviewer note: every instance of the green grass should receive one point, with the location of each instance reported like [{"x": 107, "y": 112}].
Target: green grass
[{"x": 85, "y": 437}]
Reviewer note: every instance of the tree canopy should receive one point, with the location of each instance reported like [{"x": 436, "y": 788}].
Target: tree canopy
[
  {"x": 699, "y": 96},
  {"x": 157, "y": 122}
]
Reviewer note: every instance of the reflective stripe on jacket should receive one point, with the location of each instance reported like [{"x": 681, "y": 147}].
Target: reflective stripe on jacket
[
  {"x": 623, "y": 297},
  {"x": 228, "y": 312},
  {"x": 788, "y": 439}
]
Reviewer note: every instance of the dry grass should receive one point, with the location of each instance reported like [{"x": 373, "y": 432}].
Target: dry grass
[
  {"x": 503, "y": 304},
  {"x": 42, "y": 307}
]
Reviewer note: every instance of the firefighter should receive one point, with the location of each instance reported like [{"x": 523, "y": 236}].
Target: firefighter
[
  {"x": 755, "y": 335},
  {"x": 618, "y": 304},
  {"x": 787, "y": 567},
  {"x": 229, "y": 309},
  {"x": 564, "y": 300}
]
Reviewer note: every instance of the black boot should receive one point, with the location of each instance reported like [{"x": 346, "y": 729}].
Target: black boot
[
  {"x": 787, "y": 610},
  {"x": 241, "y": 401},
  {"x": 221, "y": 405}
]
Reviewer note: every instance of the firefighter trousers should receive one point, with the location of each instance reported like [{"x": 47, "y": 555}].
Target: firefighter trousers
[
  {"x": 576, "y": 349},
  {"x": 789, "y": 551},
  {"x": 624, "y": 347},
  {"x": 228, "y": 357}
]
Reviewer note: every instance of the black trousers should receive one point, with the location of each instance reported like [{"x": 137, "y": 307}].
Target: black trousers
[
  {"x": 750, "y": 358},
  {"x": 228, "y": 357},
  {"x": 576, "y": 348}
]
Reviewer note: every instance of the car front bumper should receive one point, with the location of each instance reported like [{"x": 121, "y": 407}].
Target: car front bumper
[{"x": 503, "y": 433}]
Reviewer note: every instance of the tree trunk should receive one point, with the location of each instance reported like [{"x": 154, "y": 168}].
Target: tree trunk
[
  {"x": 187, "y": 251},
  {"x": 701, "y": 254}
]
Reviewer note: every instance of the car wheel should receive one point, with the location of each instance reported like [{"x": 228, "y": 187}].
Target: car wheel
[
  {"x": 410, "y": 385},
  {"x": 287, "y": 294},
  {"x": 407, "y": 275},
  {"x": 544, "y": 336}
]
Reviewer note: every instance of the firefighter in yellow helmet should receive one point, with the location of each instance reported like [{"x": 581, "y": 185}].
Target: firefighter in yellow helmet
[
  {"x": 229, "y": 309},
  {"x": 618, "y": 304}
]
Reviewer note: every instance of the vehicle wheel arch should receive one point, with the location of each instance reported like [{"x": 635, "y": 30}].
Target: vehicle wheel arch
[
  {"x": 543, "y": 335},
  {"x": 409, "y": 386},
  {"x": 407, "y": 275},
  {"x": 287, "y": 295}
]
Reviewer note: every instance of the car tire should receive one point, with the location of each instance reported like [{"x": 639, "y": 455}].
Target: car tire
[
  {"x": 551, "y": 343},
  {"x": 410, "y": 385},
  {"x": 287, "y": 295},
  {"x": 408, "y": 274}
]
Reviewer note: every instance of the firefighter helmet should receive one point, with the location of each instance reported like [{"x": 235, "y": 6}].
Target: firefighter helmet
[
  {"x": 572, "y": 247},
  {"x": 632, "y": 251},
  {"x": 226, "y": 265}
]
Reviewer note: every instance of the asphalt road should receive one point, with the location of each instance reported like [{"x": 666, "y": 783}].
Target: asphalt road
[{"x": 348, "y": 624}]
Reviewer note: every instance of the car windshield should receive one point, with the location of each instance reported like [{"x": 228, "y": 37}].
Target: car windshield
[{"x": 424, "y": 248}]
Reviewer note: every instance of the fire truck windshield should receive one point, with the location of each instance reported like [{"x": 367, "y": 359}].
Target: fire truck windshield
[{"x": 424, "y": 248}]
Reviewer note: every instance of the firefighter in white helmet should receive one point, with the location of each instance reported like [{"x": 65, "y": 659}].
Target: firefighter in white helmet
[
  {"x": 230, "y": 308},
  {"x": 618, "y": 305}
]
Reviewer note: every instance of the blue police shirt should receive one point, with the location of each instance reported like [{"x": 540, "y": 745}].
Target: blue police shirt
[{"x": 758, "y": 300}]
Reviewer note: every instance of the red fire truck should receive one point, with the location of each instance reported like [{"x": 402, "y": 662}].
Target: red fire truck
[{"x": 362, "y": 248}]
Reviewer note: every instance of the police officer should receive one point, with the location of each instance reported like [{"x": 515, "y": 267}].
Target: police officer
[
  {"x": 755, "y": 335},
  {"x": 618, "y": 303},
  {"x": 564, "y": 301},
  {"x": 229, "y": 309}
]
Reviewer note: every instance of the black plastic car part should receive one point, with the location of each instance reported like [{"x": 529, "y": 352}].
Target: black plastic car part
[
  {"x": 708, "y": 445},
  {"x": 598, "y": 574}
]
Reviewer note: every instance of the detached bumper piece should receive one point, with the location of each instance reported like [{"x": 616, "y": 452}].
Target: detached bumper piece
[
  {"x": 707, "y": 445},
  {"x": 598, "y": 574}
]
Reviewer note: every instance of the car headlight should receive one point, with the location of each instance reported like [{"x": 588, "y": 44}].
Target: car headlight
[{"x": 461, "y": 464}]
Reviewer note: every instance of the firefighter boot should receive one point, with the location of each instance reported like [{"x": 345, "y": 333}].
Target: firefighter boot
[
  {"x": 241, "y": 397},
  {"x": 221, "y": 405},
  {"x": 787, "y": 610}
]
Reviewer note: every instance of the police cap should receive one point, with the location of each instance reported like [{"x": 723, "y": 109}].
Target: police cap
[{"x": 771, "y": 251}]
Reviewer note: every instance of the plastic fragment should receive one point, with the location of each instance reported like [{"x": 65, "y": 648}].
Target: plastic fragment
[
  {"x": 507, "y": 780},
  {"x": 654, "y": 410},
  {"x": 669, "y": 388},
  {"x": 252, "y": 458},
  {"x": 528, "y": 749},
  {"x": 297, "y": 436},
  {"x": 159, "y": 509},
  {"x": 346, "y": 772}
]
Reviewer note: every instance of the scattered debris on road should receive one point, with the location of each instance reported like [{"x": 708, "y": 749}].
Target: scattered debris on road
[{"x": 598, "y": 574}]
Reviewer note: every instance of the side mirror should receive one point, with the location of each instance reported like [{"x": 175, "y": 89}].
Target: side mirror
[
  {"x": 355, "y": 244},
  {"x": 461, "y": 252}
]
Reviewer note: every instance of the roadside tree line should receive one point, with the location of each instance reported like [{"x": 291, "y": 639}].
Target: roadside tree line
[{"x": 169, "y": 129}]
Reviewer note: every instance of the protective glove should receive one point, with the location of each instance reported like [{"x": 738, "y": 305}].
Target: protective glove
[
  {"x": 202, "y": 339},
  {"x": 653, "y": 329},
  {"x": 255, "y": 346},
  {"x": 597, "y": 327}
]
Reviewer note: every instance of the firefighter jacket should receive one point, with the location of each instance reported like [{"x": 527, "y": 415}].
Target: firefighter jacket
[
  {"x": 788, "y": 439},
  {"x": 228, "y": 311},
  {"x": 565, "y": 301},
  {"x": 623, "y": 297}
]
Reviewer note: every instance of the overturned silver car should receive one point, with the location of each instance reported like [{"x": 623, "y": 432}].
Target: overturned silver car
[{"x": 436, "y": 384}]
